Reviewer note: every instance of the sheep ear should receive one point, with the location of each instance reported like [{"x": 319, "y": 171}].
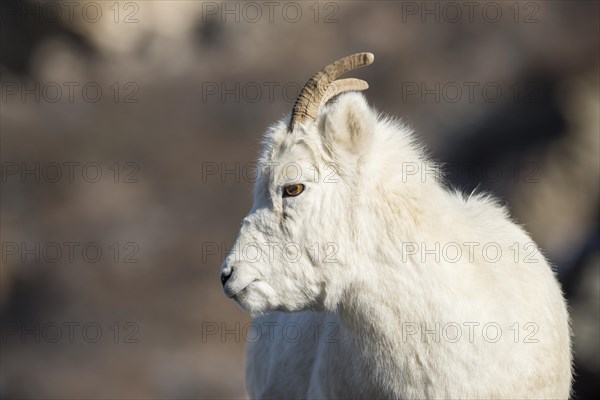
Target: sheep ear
[{"x": 348, "y": 123}]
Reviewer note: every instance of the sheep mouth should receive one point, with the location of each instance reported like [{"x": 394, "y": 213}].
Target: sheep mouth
[{"x": 232, "y": 295}]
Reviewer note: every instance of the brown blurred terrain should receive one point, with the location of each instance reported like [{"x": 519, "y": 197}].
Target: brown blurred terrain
[{"x": 127, "y": 129}]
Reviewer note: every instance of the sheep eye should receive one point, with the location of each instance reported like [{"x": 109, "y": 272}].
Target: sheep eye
[{"x": 293, "y": 190}]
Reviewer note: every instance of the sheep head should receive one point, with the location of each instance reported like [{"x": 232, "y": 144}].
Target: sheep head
[{"x": 297, "y": 247}]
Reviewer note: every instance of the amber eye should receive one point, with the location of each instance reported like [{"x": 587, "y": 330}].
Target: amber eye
[{"x": 293, "y": 190}]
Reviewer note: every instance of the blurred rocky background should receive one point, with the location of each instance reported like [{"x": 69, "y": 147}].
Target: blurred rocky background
[{"x": 128, "y": 130}]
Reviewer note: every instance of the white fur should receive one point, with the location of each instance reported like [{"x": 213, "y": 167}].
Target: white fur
[{"x": 357, "y": 314}]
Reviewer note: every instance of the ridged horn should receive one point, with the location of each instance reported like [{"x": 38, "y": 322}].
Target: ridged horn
[{"x": 323, "y": 86}]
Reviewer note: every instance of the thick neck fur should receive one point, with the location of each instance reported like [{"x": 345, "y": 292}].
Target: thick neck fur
[
  {"x": 373, "y": 310},
  {"x": 374, "y": 307},
  {"x": 370, "y": 321}
]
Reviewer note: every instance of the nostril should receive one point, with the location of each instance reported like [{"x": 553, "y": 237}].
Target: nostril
[{"x": 225, "y": 277}]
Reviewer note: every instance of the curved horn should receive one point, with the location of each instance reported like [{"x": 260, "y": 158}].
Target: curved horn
[{"x": 323, "y": 86}]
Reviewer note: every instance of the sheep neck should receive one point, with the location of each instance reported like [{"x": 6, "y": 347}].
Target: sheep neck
[{"x": 372, "y": 321}]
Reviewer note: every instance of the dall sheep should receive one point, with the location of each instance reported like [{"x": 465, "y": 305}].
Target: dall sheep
[{"x": 366, "y": 281}]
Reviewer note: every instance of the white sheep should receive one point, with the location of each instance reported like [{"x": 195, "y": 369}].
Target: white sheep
[{"x": 368, "y": 278}]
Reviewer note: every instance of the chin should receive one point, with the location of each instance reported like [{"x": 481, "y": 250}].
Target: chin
[{"x": 256, "y": 299}]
